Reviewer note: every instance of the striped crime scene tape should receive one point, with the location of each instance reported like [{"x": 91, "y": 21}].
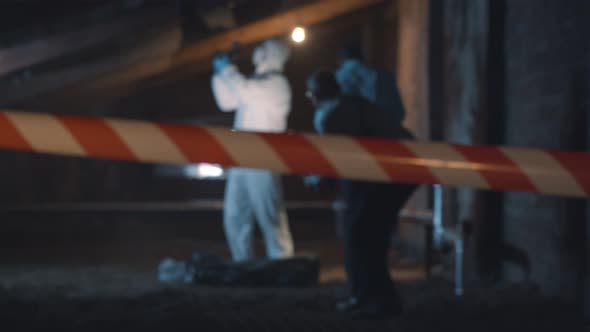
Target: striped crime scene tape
[{"x": 552, "y": 172}]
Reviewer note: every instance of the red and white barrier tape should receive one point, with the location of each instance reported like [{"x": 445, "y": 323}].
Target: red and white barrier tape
[{"x": 497, "y": 168}]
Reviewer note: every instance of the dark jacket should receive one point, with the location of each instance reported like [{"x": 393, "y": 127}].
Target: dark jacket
[{"x": 356, "y": 116}]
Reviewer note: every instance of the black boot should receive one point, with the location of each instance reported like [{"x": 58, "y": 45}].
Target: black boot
[
  {"x": 348, "y": 305},
  {"x": 379, "y": 308}
]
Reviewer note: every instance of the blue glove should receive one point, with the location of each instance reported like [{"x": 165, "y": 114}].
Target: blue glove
[
  {"x": 220, "y": 62},
  {"x": 312, "y": 182}
]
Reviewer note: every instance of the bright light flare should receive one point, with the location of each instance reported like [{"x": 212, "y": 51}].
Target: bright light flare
[
  {"x": 298, "y": 35},
  {"x": 204, "y": 171}
]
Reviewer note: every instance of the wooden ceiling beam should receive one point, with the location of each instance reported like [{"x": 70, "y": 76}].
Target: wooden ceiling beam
[
  {"x": 162, "y": 45},
  {"x": 199, "y": 54},
  {"x": 276, "y": 25},
  {"x": 41, "y": 50},
  {"x": 198, "y": 67}
]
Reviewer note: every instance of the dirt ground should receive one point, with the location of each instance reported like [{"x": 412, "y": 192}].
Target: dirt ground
[
  {"x": 92, "y": 279},
  {"x": 118, "y": 298},
  {"x": 97, "y": 299}
]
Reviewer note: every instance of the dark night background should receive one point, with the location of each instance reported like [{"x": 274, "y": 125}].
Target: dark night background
[{"x": 501, "y": 72}]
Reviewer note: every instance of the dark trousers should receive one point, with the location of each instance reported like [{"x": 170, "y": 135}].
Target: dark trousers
[{"x": 372, "y": 212}]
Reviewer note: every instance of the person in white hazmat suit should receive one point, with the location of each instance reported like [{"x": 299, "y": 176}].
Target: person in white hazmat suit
[{"x": 262, "y": 103}]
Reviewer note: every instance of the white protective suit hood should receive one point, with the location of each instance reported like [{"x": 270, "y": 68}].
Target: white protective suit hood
[
  {"x": 262, "y": 102},
  {"x": 271, "y": 55}
]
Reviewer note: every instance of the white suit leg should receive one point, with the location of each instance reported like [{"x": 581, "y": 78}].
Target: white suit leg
[
  {"x": 237, "y": 216},
  {"x": 266, "y": 196}
]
